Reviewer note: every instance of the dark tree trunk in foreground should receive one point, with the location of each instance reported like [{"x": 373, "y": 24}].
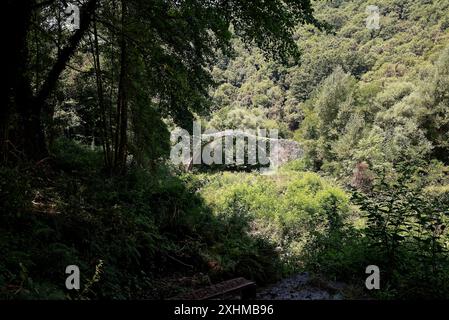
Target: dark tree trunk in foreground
[
  {"x": 29, "y": 132},
  {"x": 122, "y": 101},
  {"x": 17, "y": 90}
]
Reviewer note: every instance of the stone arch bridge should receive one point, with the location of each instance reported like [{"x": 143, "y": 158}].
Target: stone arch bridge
[{"x": 281, "y": 152}]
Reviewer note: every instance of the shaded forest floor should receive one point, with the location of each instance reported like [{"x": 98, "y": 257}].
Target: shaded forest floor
[
  {"x": 139, "y": 236},
  {"x": 154, "y": 235},
  {"x": 144, "y": 235}
]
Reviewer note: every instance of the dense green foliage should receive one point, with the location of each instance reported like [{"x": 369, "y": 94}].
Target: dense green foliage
[
  {"x": 85, "y": 135},
  {"x": 406, "y": 232},
  {"x": 289, "y": 209},
  {"x": 370, "y": 109},
  {"x": 354, "y": 87},
  {"x": 144, "y": 231}
]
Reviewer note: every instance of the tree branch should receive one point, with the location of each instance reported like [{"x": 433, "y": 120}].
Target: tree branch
[{"x": 67, "y": 52}]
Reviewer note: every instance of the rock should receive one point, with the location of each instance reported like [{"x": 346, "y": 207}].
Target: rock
[{"x": 298, "y": 287}]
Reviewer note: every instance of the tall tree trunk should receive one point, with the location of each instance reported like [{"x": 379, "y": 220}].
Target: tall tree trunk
[
  {"x": 35, "y": 132},
  {"x": 17, "y": 91},
  {"x": 122, "y": 100},
  {"x": 29, "y": 133},
  {"x": 105, "y": 125}
]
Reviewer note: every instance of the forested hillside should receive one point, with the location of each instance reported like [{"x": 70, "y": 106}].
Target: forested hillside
[
  {"x": 86, "y": 177},
  {"x": 353, "y": 87}
]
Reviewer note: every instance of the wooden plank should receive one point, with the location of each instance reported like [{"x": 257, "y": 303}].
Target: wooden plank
[{"x": 246, "y": 288}]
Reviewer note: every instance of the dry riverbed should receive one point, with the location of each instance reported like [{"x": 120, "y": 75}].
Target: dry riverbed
[{"x": 302, "y": 287}]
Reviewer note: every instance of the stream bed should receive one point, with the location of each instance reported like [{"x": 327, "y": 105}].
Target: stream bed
[{"x": 302, "y": 287}]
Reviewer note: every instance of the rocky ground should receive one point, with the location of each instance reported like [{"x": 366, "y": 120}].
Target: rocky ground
[{"x": 302, "y": 287}]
